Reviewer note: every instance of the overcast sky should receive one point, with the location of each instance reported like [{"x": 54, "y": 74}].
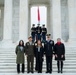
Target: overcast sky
[{"x": 42, "y": 15}]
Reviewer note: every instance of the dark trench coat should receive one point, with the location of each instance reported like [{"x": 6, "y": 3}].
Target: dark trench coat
[{"x": 59, "y": 51}]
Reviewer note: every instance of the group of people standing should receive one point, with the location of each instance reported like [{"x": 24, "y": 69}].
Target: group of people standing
[
  {"x": 38, "y": 33},
  {"x": 38, "y": 50}
]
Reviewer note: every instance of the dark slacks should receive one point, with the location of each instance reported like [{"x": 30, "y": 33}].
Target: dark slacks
[
  {"x": 38, "y": 37},
  {"x": 43, "y": 37},
  {"x": 49, "y": 63},
  {"x": 60, "y": 65},
  {"x": 39, "y": 63},
  {"x": 33, "y": 37},
  {"x": 30, "y": 63},
  {"x": 18, "y": 68}
]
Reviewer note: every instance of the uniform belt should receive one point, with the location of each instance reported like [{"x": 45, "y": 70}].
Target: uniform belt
[{"x": 43, "y": 31}]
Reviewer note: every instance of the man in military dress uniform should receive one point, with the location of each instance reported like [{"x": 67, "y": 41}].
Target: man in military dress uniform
[
  {"x": 38, "y": 32},
  {"x": 49, "y": 46},
  {"x": 30, "y": 55},
  {"x": 33, "y": 32},
  {"x": 44, "y": 32}
]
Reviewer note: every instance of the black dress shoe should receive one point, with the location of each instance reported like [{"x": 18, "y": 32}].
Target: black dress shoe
[
  {"x": 32, "y": 72},
  {"x": 22, "y": 72},
  {"x": 58, "y": 71},
  {"x": 50, "y": 71},
  {"x": 40, "y": 71},
  {"x": 61, "y": 71},
  {"x": 18, "y": 72},
  {"x": 28, "y": 72},
  {"x": 47, "y": 71}
]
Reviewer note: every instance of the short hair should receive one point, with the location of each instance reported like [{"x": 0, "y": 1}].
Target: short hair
[
  {"x": 58, "y": 38},
  {"x": 29, "y": 37}
]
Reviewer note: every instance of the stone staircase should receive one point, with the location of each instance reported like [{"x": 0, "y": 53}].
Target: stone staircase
[{"x": 8, "y": 61}]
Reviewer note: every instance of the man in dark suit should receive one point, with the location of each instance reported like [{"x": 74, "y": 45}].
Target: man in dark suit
[
  {"x": 44, "y": 32},
  {"x": 38, "y": 32},
  {"x": 49, "y": 46},
  {"x": 33, "y": 32}
]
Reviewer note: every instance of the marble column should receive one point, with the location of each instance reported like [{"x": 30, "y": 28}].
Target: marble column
[
  {"x": 29, "y": 21},
  {"x": 23, "y": 21},
  {"x": 72, "y": 20},
  {"x": 7, "y": 33},
  {"x": 49, "y": 25},
  {"x": 56, "y": 18},
  {"x": 7, "y": 28}
]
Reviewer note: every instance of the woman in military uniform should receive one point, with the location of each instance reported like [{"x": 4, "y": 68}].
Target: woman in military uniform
[
  {"x": 39, "y": 51},
  {"x": 59, "y": 54},
  {"x": 30, "y": 55},
  {"x": 20, "y": 50}
]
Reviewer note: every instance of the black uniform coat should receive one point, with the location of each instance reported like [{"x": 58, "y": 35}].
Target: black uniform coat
[
  {"x": 44, "y": 31},
  {"x": 59, "y": 50},
  {"x": 33, "y": 31},
  {"x": 41, "y": 53},
  {"x": 49, "y": 47},
  {"x": 38, "y": 30}
]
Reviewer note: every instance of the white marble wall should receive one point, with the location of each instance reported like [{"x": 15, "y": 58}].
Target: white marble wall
[
  {"x": 64, "y": 20},
  {"x": 55, "y": 19},
  {"x": 72, "y": 20},
  {"x": 15, "y": 22},
  {"x": 1, "y": 22}
]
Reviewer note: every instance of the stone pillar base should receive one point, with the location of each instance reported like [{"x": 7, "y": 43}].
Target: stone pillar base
[
  {"x": 71, "y": 42},
  {"x": 7, "y": 44}
]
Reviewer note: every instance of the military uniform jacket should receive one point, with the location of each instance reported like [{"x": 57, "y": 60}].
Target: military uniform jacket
[
  {"x": 44, "y": 31},
  {"x": 20, "y": 59},
  {"x": 38, "y": 30},
  {"x": 29, "y": 49},
  {"x": 33, "y": 31},
  {"x": 49, "y": 47},
  {"x": 59, "y": 50}
]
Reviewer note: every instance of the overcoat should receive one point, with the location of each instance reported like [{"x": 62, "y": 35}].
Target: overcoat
[
  {"x": 20, "y": 59},
  {"x": 59, "y": 50}
]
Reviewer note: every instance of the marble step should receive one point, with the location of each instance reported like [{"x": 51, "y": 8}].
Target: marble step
[
  {"x": 54, "y": 63},
  {"x": 8, "y": 61},
  {"x": 14, "y": 55},
  {"x": 14, "y": 61},
  {"x": 14, "y": 58},
  {"x": 44, "y": 66},
  {"x": 54, "y": 70}
]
